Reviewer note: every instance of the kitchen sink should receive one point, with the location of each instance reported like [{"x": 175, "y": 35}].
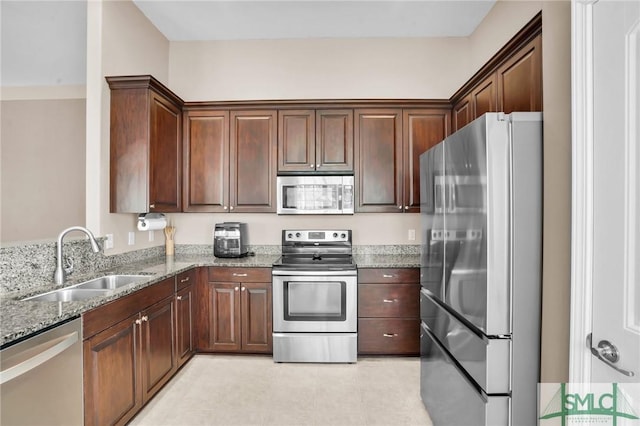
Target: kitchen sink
[
  {"x": 111, "y": 282},
  {"x": 85, "y": 290},
  {"x": 68, "y": 295}
]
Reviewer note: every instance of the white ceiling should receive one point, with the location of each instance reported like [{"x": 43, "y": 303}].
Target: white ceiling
[
  {"x": 232, "y": 20},
  {"x": 44, "y": 42}
]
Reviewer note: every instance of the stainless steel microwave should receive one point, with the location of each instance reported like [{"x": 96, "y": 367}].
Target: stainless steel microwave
[{"x": 315, "y": 194}]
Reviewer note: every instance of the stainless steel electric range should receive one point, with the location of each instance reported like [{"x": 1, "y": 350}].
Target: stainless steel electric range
[{"x": 315, "y": 298}]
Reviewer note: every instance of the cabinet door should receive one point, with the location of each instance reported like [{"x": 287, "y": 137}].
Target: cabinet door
[
  {"x": 378, "y": 145},
  {"x": 111, "y": 371},
  {"x": 462, "y": 113},
  {"x": 185, "y": 315},
  {"x": 158, "y": 359},
  {"x": 224, "y": 317},
  {"x": 165, "y": 157},
  {"x": 253, "y": 161},
  {"x": 206, "y": 161},
  {"x": 296, "y": 141},
  {"x": 519, "y": 80},
  {"x": 485, "y": 97},
  {"x": 334, "y": 140},
  {"x": 256, "y": 318},
  {"x": 422, "y": 130}
]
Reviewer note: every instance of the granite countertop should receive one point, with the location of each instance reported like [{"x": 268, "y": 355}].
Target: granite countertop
[{"x": 19, "y": 319}]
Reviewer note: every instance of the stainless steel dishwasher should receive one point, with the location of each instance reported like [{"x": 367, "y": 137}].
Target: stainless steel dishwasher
[{"x": 41, "y": 378}]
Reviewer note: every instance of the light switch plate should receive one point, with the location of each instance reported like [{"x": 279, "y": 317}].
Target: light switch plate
[
  {"x": 412, "y": 235},
  {"x": 152, "y": 235},
  {"x": 132, "y": 238}
]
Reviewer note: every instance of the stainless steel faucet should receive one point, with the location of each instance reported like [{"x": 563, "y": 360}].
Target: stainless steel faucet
[{"x": 61, "y": 273}]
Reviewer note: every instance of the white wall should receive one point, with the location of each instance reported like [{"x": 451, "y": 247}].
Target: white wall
[
  {"x": 318, "y": 68},
  {"x": 121, "y": 41},
  {"x": 43, "y": 173}
]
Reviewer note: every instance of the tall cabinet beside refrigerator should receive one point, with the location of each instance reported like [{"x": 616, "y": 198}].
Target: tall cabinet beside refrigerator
[{"x": 481, "y": 219}]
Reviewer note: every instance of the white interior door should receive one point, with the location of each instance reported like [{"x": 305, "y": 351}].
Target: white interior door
[{"x": 606, "y": 214}]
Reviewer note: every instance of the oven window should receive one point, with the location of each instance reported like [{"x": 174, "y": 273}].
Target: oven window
[{"x": 315, "y": 301}]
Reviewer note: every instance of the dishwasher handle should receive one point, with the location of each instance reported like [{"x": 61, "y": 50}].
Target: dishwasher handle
[{"x": 53, "y": 348}]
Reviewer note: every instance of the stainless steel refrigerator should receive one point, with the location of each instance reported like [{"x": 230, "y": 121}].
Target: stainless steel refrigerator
[{"x": 481, "y": 220}]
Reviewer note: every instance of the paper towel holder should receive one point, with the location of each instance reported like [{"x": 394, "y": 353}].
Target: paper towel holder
[{"x": 146, "y": 216}]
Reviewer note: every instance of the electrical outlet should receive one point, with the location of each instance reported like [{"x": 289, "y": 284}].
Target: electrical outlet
[
  {"x": 132, "y": 238},
  {"x": 152, "y": 236},
  {"x": 108, "y": 242},
  {"x": 412, "y": 235}
]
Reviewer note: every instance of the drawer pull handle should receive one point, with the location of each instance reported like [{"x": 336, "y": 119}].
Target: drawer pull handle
[
  {"x": 390, "y": 335},
  {"x": 184, "y": 280},
  {"x": 239, "y": 275},
  {"x": 389, "y": 300},
  {"x": 387, "y": 275}
]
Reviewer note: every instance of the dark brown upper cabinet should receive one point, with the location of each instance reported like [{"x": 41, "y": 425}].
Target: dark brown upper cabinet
[
  {"x": 422, "y": 129},
  {"x": 520, "y": 79},
  {"x": 206, "y": 161},
  {"x": 315, "y": 141},
  {"x": 253, "y": 154},
  {"x": 510, "y": 81},
  {"x": 145, "y": 167},
  {"x": 378, "y": 165},
  {"x": 388, "y": 147}
]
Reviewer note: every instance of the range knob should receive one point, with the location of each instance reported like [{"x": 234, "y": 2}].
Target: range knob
[
  {"x": 289, "y": 235},
  {"x": 343, "y": 235},
  {"x": 335, "y": 235},
  {"x": 298, "y": 235}
]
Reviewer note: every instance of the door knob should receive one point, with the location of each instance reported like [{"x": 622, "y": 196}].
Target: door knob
[{"x": 607, "y": 353}]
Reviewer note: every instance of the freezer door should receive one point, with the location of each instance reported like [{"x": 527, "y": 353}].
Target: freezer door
[
  {"x": 486, "y": 360},
  {"x": 450, "y": 397}
]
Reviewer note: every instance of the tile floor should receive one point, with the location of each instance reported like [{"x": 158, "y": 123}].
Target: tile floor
[{"x": 253, "y": 390}]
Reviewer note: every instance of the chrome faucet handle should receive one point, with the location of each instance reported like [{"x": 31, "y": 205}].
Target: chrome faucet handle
[{"x": 68, "y": 265}]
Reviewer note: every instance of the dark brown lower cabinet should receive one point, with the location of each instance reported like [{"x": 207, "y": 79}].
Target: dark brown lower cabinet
[
  {"x": 388, "y": 311},
  {"x": 237, "y": 314},
  {"x": 126, "y": 361},
  {"x": 185, "y": 316}
]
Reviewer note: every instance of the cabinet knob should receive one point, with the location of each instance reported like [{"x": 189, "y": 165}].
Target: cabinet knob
[
  {"x": 317, "y": 166},
  {"x": 311, "y": 165},
  {"x": 224, "y": 207},
  {"x": 406, "y": 207},
  {"x": 231, "y": 208},
  {"x": 237, "y": 288},
  {"x": 184, "y": 280},
  {"x": 244, "y": 289},
  {"x": 152, "y": 206},
  {"x": 389, "y": 334},
  {"x": 178, "y": 297},
  {"x": 145, "y": 318},
  {"x": 400, "y": 207},
  {"x": 138, "y": 322}
]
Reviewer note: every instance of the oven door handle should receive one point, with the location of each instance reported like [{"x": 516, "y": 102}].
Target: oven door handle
[{"x": 308, "y": 273}]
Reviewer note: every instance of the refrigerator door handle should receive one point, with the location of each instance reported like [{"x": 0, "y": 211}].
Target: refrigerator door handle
[{"x": 607, "y": 353}]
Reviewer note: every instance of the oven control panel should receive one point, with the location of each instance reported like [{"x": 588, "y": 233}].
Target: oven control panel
[{"x": 310, "y": 236}]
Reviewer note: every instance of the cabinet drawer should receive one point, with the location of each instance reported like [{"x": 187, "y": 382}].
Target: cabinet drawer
[
  {"x": 389, "y": 275},
  {"x": 392, "y": 336},
  {"x": 185, "y": 279},
  {"x": 245, "y": 275},
  {"x": 389, "y": 300}
]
